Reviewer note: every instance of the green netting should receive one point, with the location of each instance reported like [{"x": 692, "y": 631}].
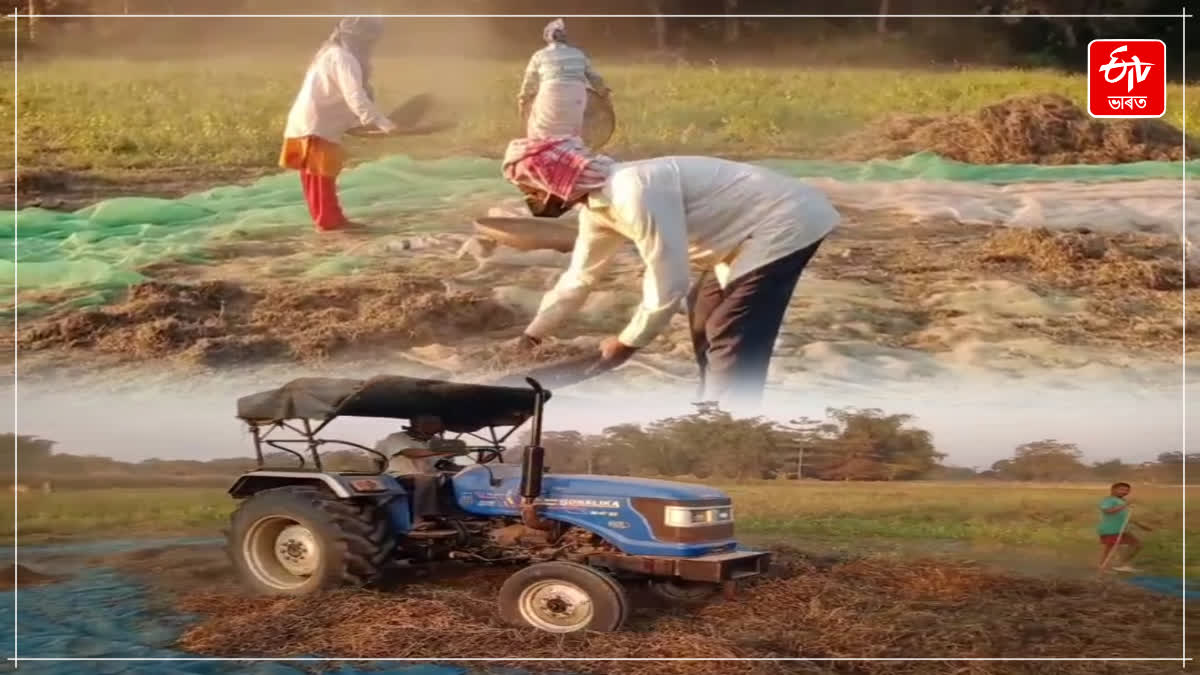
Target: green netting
[
  {"x": 928, "y": 166},
  {"x": 98, "y": 250}
]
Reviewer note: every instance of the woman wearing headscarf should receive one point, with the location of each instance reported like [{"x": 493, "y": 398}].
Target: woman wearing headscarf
[
  {"x": 554, "y": 92},
  {"x": 336, "y": 96},
  {"x": 751, "y": 229}
]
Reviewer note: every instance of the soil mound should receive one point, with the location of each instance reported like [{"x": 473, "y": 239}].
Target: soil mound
[
  {"x": 1040, "y": 129},
  {"x": 807, "y": 608}
]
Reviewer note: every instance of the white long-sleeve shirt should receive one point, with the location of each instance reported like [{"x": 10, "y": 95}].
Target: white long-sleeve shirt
[
  {"x": 558, "y": 63},
  {"x": 731, "y": 216},
  {"x": 393, "y": 448},
  {"x": 332, "y": 99}
]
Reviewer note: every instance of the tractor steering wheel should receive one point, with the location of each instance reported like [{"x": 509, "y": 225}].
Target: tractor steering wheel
[{"x": 488, "y": 455}]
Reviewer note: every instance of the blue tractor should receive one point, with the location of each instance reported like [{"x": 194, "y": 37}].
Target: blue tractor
[{"x": 578, "y": 539}]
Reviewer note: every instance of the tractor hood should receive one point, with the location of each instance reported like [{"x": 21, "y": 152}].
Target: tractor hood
[
  {"x": 638, "y": 515},
  {"x": 563, "y": 485},
  {"x": 584, "y": 485}
]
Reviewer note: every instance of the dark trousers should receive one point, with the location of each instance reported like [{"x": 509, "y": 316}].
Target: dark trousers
[
  {"x": 734, "y": 329},
  {"x": 426, "y": 500}
]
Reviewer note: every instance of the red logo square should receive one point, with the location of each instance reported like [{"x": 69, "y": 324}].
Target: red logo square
[{"x": 1127, "y": 78}]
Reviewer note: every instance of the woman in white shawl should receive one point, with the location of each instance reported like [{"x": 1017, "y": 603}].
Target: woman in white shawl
[{"x": 554, "y": 92}]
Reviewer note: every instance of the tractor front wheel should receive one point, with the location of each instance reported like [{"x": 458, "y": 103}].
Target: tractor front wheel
[
  {"x": 563, "y": 597},
  {"x": 302, "y": 540},
  {"x": 684, "y": 592}
]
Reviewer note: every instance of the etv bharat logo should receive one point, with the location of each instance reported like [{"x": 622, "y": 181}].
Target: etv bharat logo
[
  {"x": 1127, "y": 78},
  {"x": 1135, "y": 68}
]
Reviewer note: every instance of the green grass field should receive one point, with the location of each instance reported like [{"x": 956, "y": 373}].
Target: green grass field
[
  {"x": 213, "y": 114},
  {"x": 1007, "y": 522}
]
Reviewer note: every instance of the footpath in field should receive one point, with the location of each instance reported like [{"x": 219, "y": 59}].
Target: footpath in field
[{"x": 172, "y": 599}]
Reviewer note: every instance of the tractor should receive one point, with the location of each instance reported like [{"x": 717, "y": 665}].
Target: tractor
[{"x": 578, "y": 540}]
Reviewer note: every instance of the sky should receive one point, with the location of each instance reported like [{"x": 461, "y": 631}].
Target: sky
[{"x": 974, "y": 425}]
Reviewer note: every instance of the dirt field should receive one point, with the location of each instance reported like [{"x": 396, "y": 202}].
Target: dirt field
[
  {"x": 835, "y": 607},
  {"x": 927, "y": 296},
  {"x": 920, "y": 298}
]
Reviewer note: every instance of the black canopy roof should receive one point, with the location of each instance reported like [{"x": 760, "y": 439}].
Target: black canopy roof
[{"x": 461, "y": 407}]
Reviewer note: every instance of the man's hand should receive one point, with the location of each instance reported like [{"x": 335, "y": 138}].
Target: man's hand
[
  {"x": 527, "y": 342},
  {"x": 612, "y": 354}
]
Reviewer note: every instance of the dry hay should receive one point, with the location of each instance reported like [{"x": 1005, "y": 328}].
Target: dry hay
[
  {"x": 179, "y": 568},
  {"x": 807, "y": 608},
  {"x": 1039, "y": 129},
  {"x": 1124, "y": 287},
  {"x": 507, "y": 363},
  {"x": 1085, "y": 259},
  {"x": 217, "y": 322},
  {"x": 24, "y": 577},
  {"x": 512, "y": 356}
]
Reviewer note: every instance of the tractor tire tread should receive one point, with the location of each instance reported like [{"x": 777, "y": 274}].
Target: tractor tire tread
[{"x": 364, "y": 540}]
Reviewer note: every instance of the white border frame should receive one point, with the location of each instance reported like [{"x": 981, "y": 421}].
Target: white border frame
[
  {"x": 1183, "y": 16},
  {"x": 1164, "y": 79}
]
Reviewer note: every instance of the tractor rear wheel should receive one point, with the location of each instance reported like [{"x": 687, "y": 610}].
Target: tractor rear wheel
[
  {"x": 563, "y": 597},
  {"x": 301, "y": 540}
]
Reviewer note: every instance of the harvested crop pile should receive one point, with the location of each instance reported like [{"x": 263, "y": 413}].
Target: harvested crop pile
[
  {"x": 24, "y": 577},
  {"x": 1040, "y": 129},
  {"x": 808, "y": 608},
  {"x": 511, "y": 356},
  {"x": 218, "y": 322},
  {"x": 1084, "y": 259},
  {"x": 507, "y": 362}
]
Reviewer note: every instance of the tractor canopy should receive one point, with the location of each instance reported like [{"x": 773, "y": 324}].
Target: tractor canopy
[{"x": 461, "y": 407}]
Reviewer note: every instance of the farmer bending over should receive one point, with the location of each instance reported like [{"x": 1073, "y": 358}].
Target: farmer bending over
[
  {"x": 1115, "y": 518},
  {"x": 556, "y": 82},
  {"x": 336, "y": 96},
  {"x": 752, "y": 229}
]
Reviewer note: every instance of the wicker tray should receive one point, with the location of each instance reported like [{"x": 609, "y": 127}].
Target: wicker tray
[{"x": 527, "y": 233}]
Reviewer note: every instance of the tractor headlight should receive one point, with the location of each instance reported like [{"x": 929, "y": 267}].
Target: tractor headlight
[{"x": 697, "y": 516}]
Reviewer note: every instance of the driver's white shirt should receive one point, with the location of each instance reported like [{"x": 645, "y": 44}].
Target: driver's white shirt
[{"x": 397, "y": 463}]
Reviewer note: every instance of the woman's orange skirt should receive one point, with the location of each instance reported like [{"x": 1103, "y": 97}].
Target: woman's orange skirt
[{"x": 312, "y": 154}]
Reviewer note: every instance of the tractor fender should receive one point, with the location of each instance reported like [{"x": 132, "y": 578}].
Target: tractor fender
[{"x": 341, "y": 486}]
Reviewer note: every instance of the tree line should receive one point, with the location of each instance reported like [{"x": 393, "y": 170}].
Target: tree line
[
  {"x": 1030, "y": 39},
  {"x": 847, "y": 444}
]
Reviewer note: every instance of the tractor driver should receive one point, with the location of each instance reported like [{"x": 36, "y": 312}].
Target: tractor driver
[{"x": 410, "y": 454}]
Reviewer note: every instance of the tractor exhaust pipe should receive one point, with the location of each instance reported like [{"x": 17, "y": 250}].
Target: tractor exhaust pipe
[{"x": 533, "y": 464}]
